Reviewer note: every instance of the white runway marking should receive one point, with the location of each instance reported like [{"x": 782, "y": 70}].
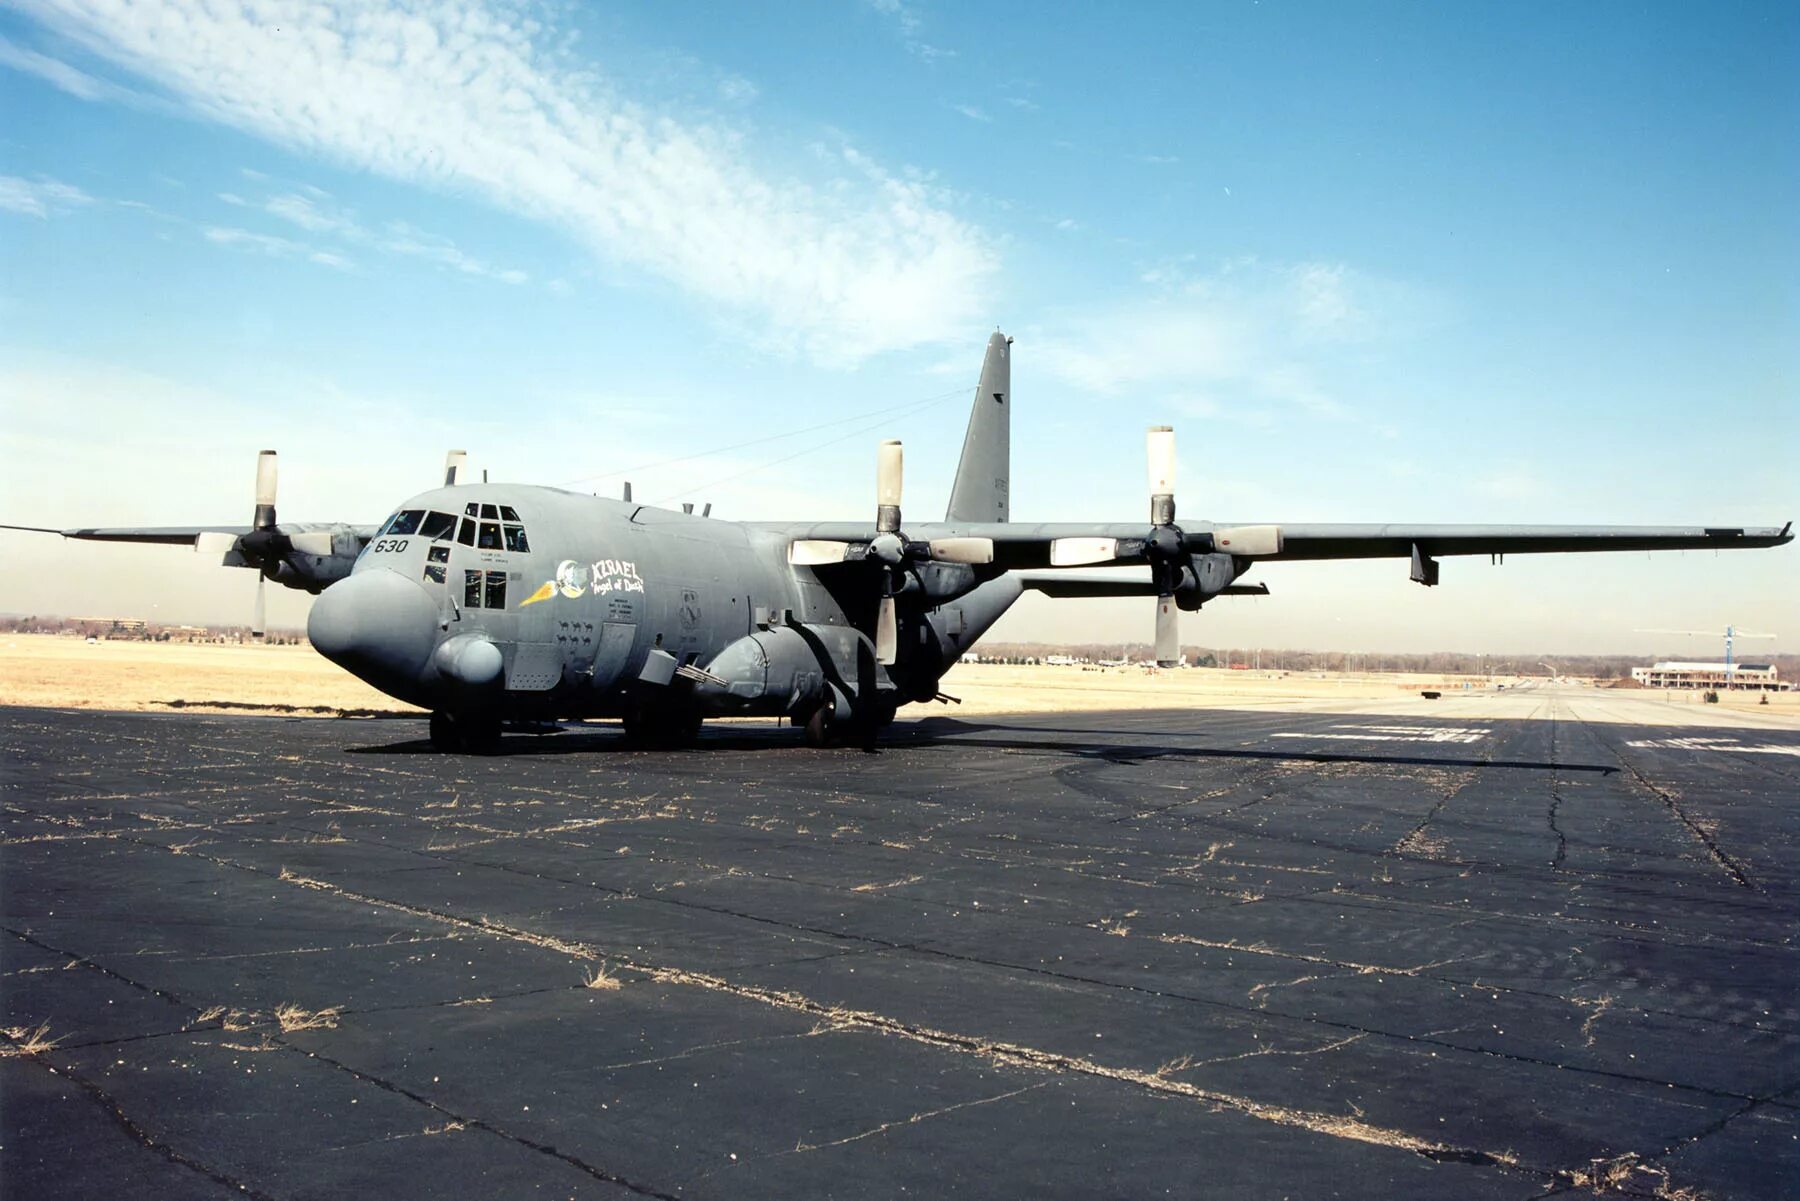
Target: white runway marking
[
  {"x": 1399, "y": 734},
  {"x": 1717, "y": 744}
]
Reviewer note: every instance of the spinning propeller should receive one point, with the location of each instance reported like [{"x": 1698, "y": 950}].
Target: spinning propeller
[{"x": 890, "y": 549}]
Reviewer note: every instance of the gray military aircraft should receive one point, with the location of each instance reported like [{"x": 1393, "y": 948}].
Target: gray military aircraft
[{"x": 494, "y": 604}]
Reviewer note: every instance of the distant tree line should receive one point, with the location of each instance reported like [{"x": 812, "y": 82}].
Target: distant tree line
[
  {"x": 1599, "y": 667},
  {"x": 125, "y": 629}
]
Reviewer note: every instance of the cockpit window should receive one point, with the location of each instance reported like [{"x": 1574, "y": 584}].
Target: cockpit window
[
  {"x": 489, "y": 538},
  {"x": 515, "y": 538},
  {"x": 507, "y": 513},
  {"x": 487, "y": 511},
  {"x": 405, "y": 522},
  {"x": 437, "y": 525},
  {"x": 471, "y": 509},
  {"x": 466, "y": 535}
]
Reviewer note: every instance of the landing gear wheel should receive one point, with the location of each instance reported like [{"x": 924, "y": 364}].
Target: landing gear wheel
[
  {"x": 443, "y": 733},
  {"x": 821, "y": 726}
]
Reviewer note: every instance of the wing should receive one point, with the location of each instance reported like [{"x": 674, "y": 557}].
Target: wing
[
  {"x": 305, "y": 555},
  {"x": 158, "y": 535},
  {"x": 1400, "y": 541},
  {"x": 1022, "y": 546}
]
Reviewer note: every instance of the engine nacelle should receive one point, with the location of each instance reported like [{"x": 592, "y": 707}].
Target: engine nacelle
[
  {"x": 772, "y": 671},
  {"x": 1205, "y": 577}
]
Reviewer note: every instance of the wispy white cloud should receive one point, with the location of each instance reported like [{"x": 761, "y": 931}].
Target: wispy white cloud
[
  {"x": 274, "y": 247},
  {"x": 62, "y": 76},
  {"x": 1264, "y": 335},
  {"x": 735, "y": 89},
  {"x": 316, "y": 213},
  {"x": 463, "y": 95},
  {"x": 40, "y": 197},
  {"x": 972, "y": 112},
  {"x": 907, "y": 21},
  {"x": 1158, "y": 160}
]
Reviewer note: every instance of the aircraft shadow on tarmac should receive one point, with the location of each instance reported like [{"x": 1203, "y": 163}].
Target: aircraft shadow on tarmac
[
  {"x": 935, "y": 732},
  {"x": 929, "y": 736}
]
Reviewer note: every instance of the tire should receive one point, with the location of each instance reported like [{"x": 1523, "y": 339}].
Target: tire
[
  {"x": 443, "y": 733},
  {"x": 821, "y": 726}
]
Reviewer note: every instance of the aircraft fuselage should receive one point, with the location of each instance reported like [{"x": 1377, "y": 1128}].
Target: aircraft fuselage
[{"x": 521, "y": 602}]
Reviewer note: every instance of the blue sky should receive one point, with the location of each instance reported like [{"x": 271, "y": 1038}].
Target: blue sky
[{"x": 1375, "y": 262}]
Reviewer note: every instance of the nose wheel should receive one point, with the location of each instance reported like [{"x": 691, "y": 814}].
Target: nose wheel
[{"x": 466, "y": 734}]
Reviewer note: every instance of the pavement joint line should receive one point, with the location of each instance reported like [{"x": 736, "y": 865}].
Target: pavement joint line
[
  {"x": 802, "y": 1147},
  {"x": 1556, "y": 800},
  {"x": 164, "y": 1148},
  {"x": 145, "y": 1139},
  {"x": 1726, "y": 863},
  {"x": 476, "y": 1123}
]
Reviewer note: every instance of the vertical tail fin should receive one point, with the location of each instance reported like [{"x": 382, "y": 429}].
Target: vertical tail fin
[{"x": 984, "y": 473}]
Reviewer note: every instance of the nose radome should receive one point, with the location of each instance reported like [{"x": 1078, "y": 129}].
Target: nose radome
[{"x": 378, "y": 625}]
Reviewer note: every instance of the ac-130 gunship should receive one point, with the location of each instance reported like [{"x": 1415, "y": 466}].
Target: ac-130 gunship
[{"x": 490, "y": 604}]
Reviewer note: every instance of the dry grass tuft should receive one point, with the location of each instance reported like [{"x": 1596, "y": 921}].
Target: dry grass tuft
[
  {"x": 876, "y": 887},
  {"x": 1174, "y": 1066},
  {"x": 210, "y": 1015},
  {"x": 603, "y": 980},
  {"x": 27, "y": 1041},
  {"x": 293, "y": 1018}
]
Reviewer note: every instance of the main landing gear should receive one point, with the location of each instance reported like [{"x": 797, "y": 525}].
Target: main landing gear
[
  {"x": 465, "y": 734},
  {"x": 824, "y": 729}
]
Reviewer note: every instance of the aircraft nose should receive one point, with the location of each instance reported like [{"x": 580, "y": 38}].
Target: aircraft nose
[{"x": 378, "y": 625}]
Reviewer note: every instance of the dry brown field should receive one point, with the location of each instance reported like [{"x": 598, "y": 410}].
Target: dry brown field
[{"x": 66, "y": 672}]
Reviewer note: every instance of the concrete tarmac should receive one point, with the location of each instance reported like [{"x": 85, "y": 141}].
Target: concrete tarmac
[{"x": 1226, "y": 953}]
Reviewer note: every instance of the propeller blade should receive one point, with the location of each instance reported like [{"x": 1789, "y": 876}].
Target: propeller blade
[
  {"x": 811, "y": 552},
  {"x": 214, "y": 545},
  {"x": 889, "y": 470},
  {"x": 1159, "y": 448},
  {"x": 312, "y": 542},
  {"x": 1249, "y": 539},
  {"x": 256, "y": 615},
  {"x": 454, "y": 465},
  {"x": 962, "y": 550},
  {"x": 1074, "y": 552},
  {"x": 887, "y": 633},
  {"x": 1168, "y": 632},
  {"x": 265, "y": 490}
]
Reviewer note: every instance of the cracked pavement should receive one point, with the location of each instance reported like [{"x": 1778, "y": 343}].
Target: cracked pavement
[{"x": 1234, "y": 953}]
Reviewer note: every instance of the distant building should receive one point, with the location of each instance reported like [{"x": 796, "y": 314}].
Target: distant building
[
  {"x": 1674, "y": 674},
  {"x": 110, "y": 625}
]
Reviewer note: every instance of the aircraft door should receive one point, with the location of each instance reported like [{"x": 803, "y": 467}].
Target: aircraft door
[{"x": 613, "y": 652}]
